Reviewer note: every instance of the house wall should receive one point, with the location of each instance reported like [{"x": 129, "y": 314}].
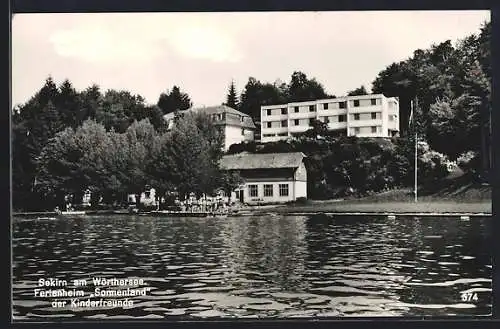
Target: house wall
[
  {"x": 295, "y": 179},
  {"x": 275, "y": 198},
  {"x": 236, "y": 135},
  {"x": 300, "y": 189},
  {"x": 86, "y": 198},
  {"x": 148, "y": 200},
  {"x": 301, "y": 173}
]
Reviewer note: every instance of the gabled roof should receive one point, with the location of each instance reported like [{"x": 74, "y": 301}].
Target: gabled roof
[
  {"x": 242, "y": 161},
  {"x": 230, "y": 117}
]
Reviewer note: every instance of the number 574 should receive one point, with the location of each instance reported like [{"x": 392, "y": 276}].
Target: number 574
[{"x": 469, "y": 297}]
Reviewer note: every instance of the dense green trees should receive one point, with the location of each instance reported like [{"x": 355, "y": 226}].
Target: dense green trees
[
  {"x": 453, "y": 87},
  {"x": 174, "y": 100},
  {"x": 113, "y": 164},
  {"x": 301, "y": 88},
  {"x": 255, "y": 94},
  {"x": 358, "y": 91},
  {"x": 54, "y": 109}
]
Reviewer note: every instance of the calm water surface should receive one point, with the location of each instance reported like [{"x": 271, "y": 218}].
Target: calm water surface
[{"x": 244, "y": 267}]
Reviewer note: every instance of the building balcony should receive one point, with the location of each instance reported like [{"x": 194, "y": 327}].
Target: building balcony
[
  {"x": 274, "y": 130},
  {"x": 337, "y": 125},
  {"x": 275, "y": 117},
  {"x": 299, "y": 129},
  {"x": 302, "y": 115},
  {"x": 394, "y": 125},
  {"x": 331, "y": 112},
  {"x": 365, "y": 123},
  {"x": 367, "y": 109}
]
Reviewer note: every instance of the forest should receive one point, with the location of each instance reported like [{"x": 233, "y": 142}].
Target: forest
[{"x": 112, "y": 142}]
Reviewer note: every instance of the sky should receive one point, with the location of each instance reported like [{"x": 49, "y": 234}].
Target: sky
[{"x": 149, "y": 53}]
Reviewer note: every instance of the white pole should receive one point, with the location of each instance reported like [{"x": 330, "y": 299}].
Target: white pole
[
  {"x": 416, "y": 167},
  {"x": 416, "y": 148}
]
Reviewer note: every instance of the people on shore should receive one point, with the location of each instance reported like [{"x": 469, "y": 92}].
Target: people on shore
[{"x": 206, "y": 204}]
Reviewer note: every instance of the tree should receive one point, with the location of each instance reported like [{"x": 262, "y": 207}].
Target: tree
[
  {"x": 48, "y": 93},
  {"x": 69, "y": 105},
  {"x": 155, "y": 115},
  {"x": 250, "y": 99},
  {"x": 120, "y": 109},
  {"x": 358, "y": 91},
  {"x": 230, "y": 181},
  {"x": 112, "y": 116},
  {"x": 140, "y": 141},
  {"x": 46, "y": 125},
  {"x": 396, "y": 80},
  {"x": 303, "y": 89},
  {"x": 271, "y": 94},
  {"x": 255, "y": 94},
  {"x": 174, "y": 100},
  {"x": 443, "y": 124},
  {"x": 318, "y": 128},
  {"x": 484, "y": 48},
  {"x": 58, "y": 168},
  {"x": 191, "y": 162},
  {"x": 160, "y": 166},
  {"x": 23, "y": 165},
  {"x": 91, "y": 102},
  {"x": 232, "y": 97},
  {"x": 34, "y": 124}
]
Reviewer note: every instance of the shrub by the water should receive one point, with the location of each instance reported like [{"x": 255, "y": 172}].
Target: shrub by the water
[{"x": 468, "y": 161}]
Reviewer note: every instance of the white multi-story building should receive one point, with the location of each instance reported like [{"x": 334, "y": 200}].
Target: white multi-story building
[{"x": 362, "y": 116}]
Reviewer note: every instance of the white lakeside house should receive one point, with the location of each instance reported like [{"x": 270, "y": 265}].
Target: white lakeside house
[{"x": 268, "y": 177}]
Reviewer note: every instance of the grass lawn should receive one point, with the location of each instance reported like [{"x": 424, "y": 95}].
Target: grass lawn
[
  {"x": 388, "y": 206},
  {"x": 454, "y": 196}
]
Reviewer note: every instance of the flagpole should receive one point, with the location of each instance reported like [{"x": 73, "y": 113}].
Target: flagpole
[{"x": 416, "y": 153}]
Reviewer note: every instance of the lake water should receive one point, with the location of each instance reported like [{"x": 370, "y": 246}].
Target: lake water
[{"x": 257, "y": 267}]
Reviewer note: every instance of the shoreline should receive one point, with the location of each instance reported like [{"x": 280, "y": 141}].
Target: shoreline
[
  {"x": 330, "y": 208},
  {"x": 383, "y": 214},
  {"x": 382, "y": 208},
  {"x": 383, "y": 204}
]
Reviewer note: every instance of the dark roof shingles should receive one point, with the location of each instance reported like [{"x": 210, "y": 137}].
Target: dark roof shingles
[
  {"x": 244, "y": 161},
  {"x": 234, "y": 117}
]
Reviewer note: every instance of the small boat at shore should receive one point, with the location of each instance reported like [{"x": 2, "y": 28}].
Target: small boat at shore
[
  {"x": 71, "y": 213},
  {"x": 46, "y": 218}
]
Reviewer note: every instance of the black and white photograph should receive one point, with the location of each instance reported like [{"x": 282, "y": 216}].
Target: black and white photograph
[{"x": 251, "y": 165}]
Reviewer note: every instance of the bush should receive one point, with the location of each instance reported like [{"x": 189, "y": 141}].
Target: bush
[
  {"x": 468, "y": 161},
  {"x": 301, "y": 200},
  {"x": 351, "y": 166},
  {"x": 433, "y": 166}
]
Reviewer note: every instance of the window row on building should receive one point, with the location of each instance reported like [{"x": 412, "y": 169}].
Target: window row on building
[
  {"x": 326, "y": 106},
  {"x": 365, "y": 130},
  {"x": 327, "y": 119},
  {"x": 223, "y": 116},
  {"x": 352, "y": 130},
  {"x": 253, "y": 190}
]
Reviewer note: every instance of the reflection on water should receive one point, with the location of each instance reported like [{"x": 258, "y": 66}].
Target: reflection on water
[{"x": 293, "y": 266}]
